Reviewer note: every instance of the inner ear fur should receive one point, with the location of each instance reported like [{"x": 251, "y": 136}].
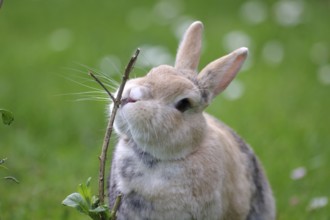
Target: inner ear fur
[
  {"x": 188, "y": 53},
  {"x": 217, "y": 75}
]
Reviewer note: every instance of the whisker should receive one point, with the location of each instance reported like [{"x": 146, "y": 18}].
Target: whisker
[
  {"x": 82, "y": 84},
  {"x": 80, "y": 76},
  {"x": 109, "y": 82},
  {"x": 93, "y": 99},
  {"x": 83, "y": 93}
]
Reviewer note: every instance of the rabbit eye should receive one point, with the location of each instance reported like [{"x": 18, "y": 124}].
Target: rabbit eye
[{"x": 183, "y": 105}]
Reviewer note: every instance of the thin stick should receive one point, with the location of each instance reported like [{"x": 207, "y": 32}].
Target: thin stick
[
  {"x": 103, "y": 156},
  {"x": 102, "y": 85},
  {"x": 115, "y": 207}
]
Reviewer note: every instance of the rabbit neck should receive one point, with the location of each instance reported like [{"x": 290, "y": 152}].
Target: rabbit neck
[{"x": 152, "y": 153}]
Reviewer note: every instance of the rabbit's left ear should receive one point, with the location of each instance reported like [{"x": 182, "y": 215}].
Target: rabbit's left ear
[
  {"x": 189, "y": 50},
  {"x": 217, "y": 75}
]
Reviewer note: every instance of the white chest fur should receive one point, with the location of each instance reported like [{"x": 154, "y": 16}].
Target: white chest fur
[{"x": 161, "y": 189}]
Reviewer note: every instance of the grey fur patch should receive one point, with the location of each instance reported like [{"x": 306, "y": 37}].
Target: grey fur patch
[
  {"x": 137, "y": 202},
  {"x": 112, "y": 187},
  {"x": 147, "y": 159},
  {"x": 134, "y": 206},
  {"x": 258, "y": 206},
  {"x": 205, "y": 95},
  {"x": 128, "y": 169}
]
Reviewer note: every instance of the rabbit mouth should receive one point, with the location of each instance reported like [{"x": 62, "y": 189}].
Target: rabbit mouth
[{"x": 126, "y": 101}]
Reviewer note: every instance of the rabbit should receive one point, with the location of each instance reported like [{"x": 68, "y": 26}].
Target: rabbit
[{"x": 174, "y": 161}]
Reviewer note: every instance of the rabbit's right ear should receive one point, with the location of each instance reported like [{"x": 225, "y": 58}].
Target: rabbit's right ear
[
  {"x": 217, "y": 75},
  {"x": 189, "y": 50}
]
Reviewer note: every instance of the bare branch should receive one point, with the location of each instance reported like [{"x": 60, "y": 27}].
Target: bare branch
[
  {"x": 115, "y": 207},
  {"x": 128, "y": 69},
  {"x": 102, "y": 85},
  {"x": 103, "y": 156}
]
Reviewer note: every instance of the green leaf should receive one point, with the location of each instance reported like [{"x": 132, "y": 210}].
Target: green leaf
[
  {"x": 95, "y": 201},
  {"x": 99, "y": 209},
  {"x": 84, "y": 202},
  {"x": 100, "y": 212},
  {"x": 11, "y": 178},
  {"x": 75, "y": 200},
  {"x": 7, "y": 117},
  {"x": 88, "y": 182},
  {"x": 3, "y": 160},
  {"x": 86, "y": 192},
  {"x": 4, "y": 167}
]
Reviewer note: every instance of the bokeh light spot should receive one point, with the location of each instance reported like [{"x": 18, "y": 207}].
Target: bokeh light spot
[
  {"x": 273, "y": 52},
  {"x": 253, "y": 12},
  {"x": 289, "y": 13},
  {"x": 139, "y": 19},
  {"x": 154, "y": 55},
  {"x": 110, "y": 65},
  {"x": 180, "y": 26},
  {"x": 236, "y": 39},
  {"x": 324, "y": 74},
  {"x": 166, "y": 11},
  {"x": 60, "y": 39},
  {"x": 319, "y": 53},
  {"x": 234, "y": 91}
]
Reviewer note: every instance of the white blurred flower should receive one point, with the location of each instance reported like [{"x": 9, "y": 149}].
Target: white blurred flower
[
  {"x": 298, "y": 173},
  {"x": 317, "y": 203}
]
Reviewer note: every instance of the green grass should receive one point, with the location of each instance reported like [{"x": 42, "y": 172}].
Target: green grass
[{"x": 53, "y": 144}]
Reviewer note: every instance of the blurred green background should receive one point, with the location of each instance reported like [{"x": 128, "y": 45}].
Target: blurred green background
[{"x": 279, "y": 102}]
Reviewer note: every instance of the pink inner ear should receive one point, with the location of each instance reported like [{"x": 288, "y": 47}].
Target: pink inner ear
[
  {"x": 231, "y": 72},
  {"x": 217, "y": 75}
]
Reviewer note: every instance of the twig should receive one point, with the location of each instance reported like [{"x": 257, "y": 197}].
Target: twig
[
  {"x": 115, "y": 207},
  {"x": 102, "y": 85},
  {"x": 103, "y": 156}
]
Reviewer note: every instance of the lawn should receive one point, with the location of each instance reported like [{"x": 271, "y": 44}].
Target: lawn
[{"x": 279, "y": 103}]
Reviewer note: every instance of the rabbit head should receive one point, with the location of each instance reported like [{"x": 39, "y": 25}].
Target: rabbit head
[{"x": 163, "y": 112}]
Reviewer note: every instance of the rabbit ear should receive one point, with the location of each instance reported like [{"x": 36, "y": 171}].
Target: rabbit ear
[
  {"x": 189, "y": 50},
  {"x": 217, "y": 75}
]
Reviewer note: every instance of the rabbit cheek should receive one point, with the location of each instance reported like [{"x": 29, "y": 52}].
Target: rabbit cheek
[
  {"x": 119, "y": 125},
  {"x": 134, "y": 118}
]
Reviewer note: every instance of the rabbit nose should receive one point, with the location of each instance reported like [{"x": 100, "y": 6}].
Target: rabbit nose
[
  {"x": 127, "y": 100},
  {"x": 135, "y": 94}
]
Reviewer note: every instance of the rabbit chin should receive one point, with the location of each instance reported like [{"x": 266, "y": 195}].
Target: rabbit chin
[{"x": 166, "y": 135}]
